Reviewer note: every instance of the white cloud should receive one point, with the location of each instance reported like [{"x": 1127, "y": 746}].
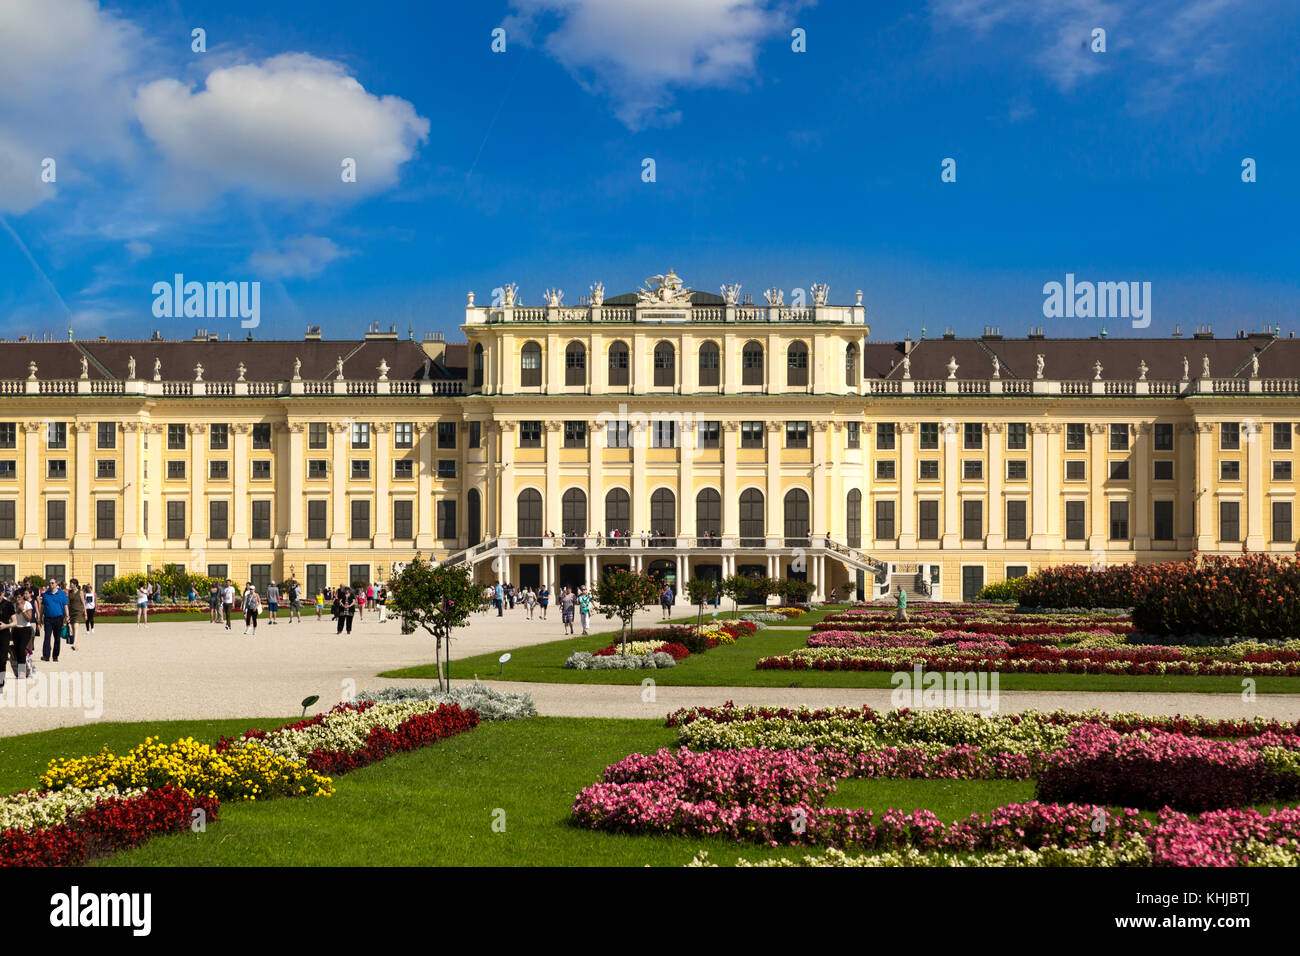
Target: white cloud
[
  {"x": 138, "y": 250},
  {"x": 297, "y": 258},
  {"x": 638, "y": 51},
  {"x": 281, "y": 128}
]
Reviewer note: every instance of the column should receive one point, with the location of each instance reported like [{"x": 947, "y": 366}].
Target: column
[
  {"x": 686, "y": 481},
  {"x": 906, "y": 487},
  {"x": 153, "y": 481},
  {"x": 997, "y": 509},
  {"x": 772, "y": 449},
  {"x": 639, "y": 438},
  {"x": 772, "y": 380},
  {"x": 730, "y": 493},
  {"x": 1055, "y": 480},
  {"x": 294, "y": 537},
  {"x": 1254, "y": 504},
  {"x": 1187, "y": 498},
  {"x": 595, "y": 476},
  {"x": 424, "y": 503},
  {"x": 552, "y": 438},
  {"x": 821, "y": 479},
  {"x": 198, "y": 500},
  {"x": 1045, "y": 500},
  {"x": 507, "y": 433},
  {"x": 239, "y": 505},
  {"x": 688, "y": 375},
  {"x": 81, "y": 536},
  {"x": 383, "y": 529},
  {"x": 1206, "y": 532},
  {"x": 131, "y": 486},
  {"x": 32, "y": 531},
  {"x": 1097, "y": 486},
  {"x": 339, "y": 529},
  {"x": 597, "y": 365},
  {"x": 836, "y": 493},
  {"x": 1142, "y": 505},
  {"x": 951, "y": 487}
]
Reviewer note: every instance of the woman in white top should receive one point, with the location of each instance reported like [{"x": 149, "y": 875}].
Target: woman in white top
[
  {"x": 142, "y": 605},
  {"x": 90, "y": 608}
]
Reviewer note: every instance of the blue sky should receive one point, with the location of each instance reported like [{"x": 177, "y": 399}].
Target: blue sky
[{"x": 772, "y": 167}]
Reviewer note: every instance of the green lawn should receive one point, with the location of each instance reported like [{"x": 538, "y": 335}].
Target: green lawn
[
  {"x": 436, "y": 806},
  {"x": 153, "y": 618},
  {"x": 734, "y": 666}
]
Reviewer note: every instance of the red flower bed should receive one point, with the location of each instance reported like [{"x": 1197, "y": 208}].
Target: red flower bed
[
  {"x": 415, "y": 732},
  {"x": 112, "y": 824}
]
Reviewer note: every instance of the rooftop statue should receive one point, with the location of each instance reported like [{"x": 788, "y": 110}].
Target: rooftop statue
[
  {"x": 664, "y": 290},
  {"x": 731, "y": 293},
  {"x": 598, "y": 294},
  {"x": 130, "y": 366},
  {"x": 1038, "y": 372},
  {"x": 775, "y": 296},
  {"x": 820, "y": 292}
]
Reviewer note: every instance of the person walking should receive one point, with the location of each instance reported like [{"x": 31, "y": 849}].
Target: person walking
[
  {"x": 252, "y": 603},
  {"x": 214, "y": 604},
  {"x": 76, "y": 611},
  {"x": 566, "y": 610},
  {"x": 54, "y": 612},
  {"x": 584, "y": 608},
  {"x": 320, "y": 604},
  {"x": 272, "y": 603},
  {"x": 347, "y": 603},
  {"x": 142, "y": 605},
  {"x": 530, "y": 601},
  {"x": 543, "y": 599},
  {"x": 89, "y": 600},
  {"x": 900, "y": 610},
  {"x": 228, "y": 600},
  {"x": 381, "y": 599},
  {"x": 499, "y": 599},
  {"x": 359, "y": 596},
  {"x": 295, "y": 602},
  {"x": 19, "y": 635}
]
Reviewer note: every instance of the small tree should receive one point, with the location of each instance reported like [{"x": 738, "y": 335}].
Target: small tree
[
  {"x": 699, "y": 590},
  {"x": 438, "y": 599},
  {"x": 742, "y": 587},
  {"x": 621, "y": 594},
  {"x": 796, "y": 591}
]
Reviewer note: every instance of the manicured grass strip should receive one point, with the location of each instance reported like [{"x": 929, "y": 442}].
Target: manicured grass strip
[{"x": 159, "y": 618}]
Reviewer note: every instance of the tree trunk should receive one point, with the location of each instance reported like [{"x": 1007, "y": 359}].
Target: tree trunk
[{"x": 439, "y": 656}]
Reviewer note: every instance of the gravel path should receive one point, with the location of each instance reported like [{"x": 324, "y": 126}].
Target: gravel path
[{"x": 173, "y": 671}]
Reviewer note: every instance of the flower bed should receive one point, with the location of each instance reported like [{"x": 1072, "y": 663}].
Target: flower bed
[{"x": 582, "y": 661}]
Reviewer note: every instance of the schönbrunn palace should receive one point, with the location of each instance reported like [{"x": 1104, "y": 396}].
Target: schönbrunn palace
[{"x": 669, "y": 430}]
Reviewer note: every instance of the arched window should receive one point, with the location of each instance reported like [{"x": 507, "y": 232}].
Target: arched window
[
  {"x": 530, "y": 365},
  {"x": 752, "y": 518},
  {"x": 710, "y": 365},
  {"x": 473, "y": 517},
  {"x": 477, "y": 380},
  {"x": 851, "y": 365},
  {"x": 708, "y": 518},
  {"x": 751, "y": 364},
  {"x": 665, "y": 365},
  {"x": 663, "y": 517},
  {"x": 618, "y": 513},
  {"x": 575, "y": 364},
  {"x": 853, "y": 519},
  {"x": 795, "y": 507},
  {"x": 618, "y": 364},
  {"x": 530, "y": 518},
  {"x": 573, "y": 515},
  {"x": 796, "y": 365}
]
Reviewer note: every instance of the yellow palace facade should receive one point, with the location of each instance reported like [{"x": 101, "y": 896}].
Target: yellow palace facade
[{"x": 669, "y": 430}]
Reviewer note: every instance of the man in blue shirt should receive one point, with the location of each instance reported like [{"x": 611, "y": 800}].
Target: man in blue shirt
[{"x": 54, "y": 611}]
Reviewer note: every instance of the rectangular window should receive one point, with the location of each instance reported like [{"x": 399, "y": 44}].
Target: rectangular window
[
  {"x": 1282, "y": 521},
  {"x": 1229, "y": 436},
  {"x": 8, "y": 439},
  {"x": 106, "y": 468},
  {"x": 710, "y": 435},
  {"x": 106, "y": 435},
  {"x": 1282, "y": 469},
  {"x": 218, "y": 520},
  {"x": 1017, "y": 469},
  {"x": 446, "y": 467},
  {"x": 927, "y": 525},
  {"x": 1017, "y": 436},
  {"x": 796, "y": 435},
  {"x": 1229, "y": 521},
  {"x": 1119, "y": 437},
  {"x": 1162, "y": 470},
  {"x": 103, "y": 574},
  {"x": 751, "y": 434},
  {"x": 1076, "y": 470},
  {"x": 404, "y": 468},
  {"x": 1163, "y": 437},
  {"x": 105, "y": 519},
  {"x": 261, "y": 530},
  {"x": 317, "y": 520},
  {"x": 261, "y": 469},
  {"x": 56, "y": 434},
  {"x": 929, "y": 469},
  {"x": 262, "y": 436},
  {"x": 972, "y": 436},
  {"x": 219, "y": 470},
  {"x": 530, "y": 434},
  {"x": 886, "y": 469},
  {"x": 885, "y": 436},
  {"x": 929, "y": 436},
  {"x": 663, "y": 434},
  {"x": 219, "y": 571},
  {"x": 972, "y": 520},
  {"x": 361, "y": 469},
  {"x": 175, "y": 437},
  {"x": 575, "y": 434},
  {"x": 446, "y": 434},
  {"x": 1017, "y": 523},
  {"x": 360, "y": 519},
  {"x": 972, "y": 469},
  {"x": 1017, "y": 571},
  {"x": 1076, "y": 436},
  {"x": 404, "y": 435},
  {"x": 475, "y": 434},
  {"x": 403, "y": 520},
  {"x": 175, "y": 469},
  {"x": 1075, "y": 523},
  {"x": 1163, "y": 526},
  {"x": 853, "y": 434},
  {"x": 317, "y": 579},
  {"x": 175, "y": 520},
  {"x": 617, "y": 435},
  {"x": 884, "y": 520},
  {"x": 446, "y": 516},
  {"x": 1119, "y": 470},
  {"x": 1119, "y": 521},
  {"x": 8, "y": 522},
  {"x": 1281, "y": 437},
  {"x": 360, "y": 434},
  {"x": 8, "y": 468},
  {"x": 318, "y": 435},
  {"x": 56, "y": 468},
  {"x": 218, "y": 437},
  {"x": 317, "y": 468},
  {"x": 1230, "y": 470}
]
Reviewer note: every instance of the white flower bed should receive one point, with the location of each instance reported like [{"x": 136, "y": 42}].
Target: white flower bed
[
  {"x": 582, "y": 661},
  {"x": 33, "y": 810},
  {"x": 488, "y": 703}
]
